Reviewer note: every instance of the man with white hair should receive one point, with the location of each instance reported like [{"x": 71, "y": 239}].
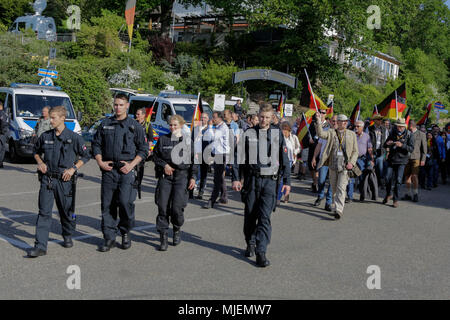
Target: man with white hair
[{"x": 340, "y": 155}]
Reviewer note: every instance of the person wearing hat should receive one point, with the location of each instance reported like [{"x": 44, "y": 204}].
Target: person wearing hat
[
  {"x": 340, "y": 155},
  {"x": 399, "y": 145},
  {"x": 378, "y": 135}
]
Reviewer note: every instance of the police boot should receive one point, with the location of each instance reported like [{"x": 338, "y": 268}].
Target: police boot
[
  {"x": 126, "y": 241},
  {"x": 68, "y": 243},
  {"x": 176, "y": 237},
  {"x": 261, "y": 260},
  {"x": 36, "y": 252},
  {"x": 107, "y": 245},
  {"x": 164, "y": 241},
  {"x": 250, "y": 251}
]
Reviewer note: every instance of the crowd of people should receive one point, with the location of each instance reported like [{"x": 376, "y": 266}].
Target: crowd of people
[{"x": 260, "y": 152}]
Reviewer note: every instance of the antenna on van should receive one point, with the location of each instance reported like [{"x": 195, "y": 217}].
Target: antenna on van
[{"x": 39, "y": 6}]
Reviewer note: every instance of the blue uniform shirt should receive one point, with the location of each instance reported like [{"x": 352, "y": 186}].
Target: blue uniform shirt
[
  {"x": 61, "y": 152},
  {"x": 120, "y": 140}
]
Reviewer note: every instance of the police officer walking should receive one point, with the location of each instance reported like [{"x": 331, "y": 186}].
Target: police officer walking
[
  {"x": 259, "y": 192},
  {"x": 4, "y": 128},
  {"x": 64, "y": 153},
  {"x": 176, "y": 172},
  {"x": 118, "y": 147}
]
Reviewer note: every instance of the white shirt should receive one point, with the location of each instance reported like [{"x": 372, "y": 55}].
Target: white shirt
[{"x": 221, "y": 143}]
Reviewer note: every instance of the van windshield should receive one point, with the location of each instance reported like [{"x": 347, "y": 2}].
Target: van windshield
[
  {"x": 135, "y": 105},
  {"x": 31, "y": 106},
  {"x": 187, "y": 110}
]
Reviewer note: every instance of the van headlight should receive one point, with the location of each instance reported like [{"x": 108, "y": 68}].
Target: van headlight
[{"x": 24, "y": 133}]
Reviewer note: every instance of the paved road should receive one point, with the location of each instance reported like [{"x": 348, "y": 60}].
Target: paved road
[{"x": 313, "y": 257}]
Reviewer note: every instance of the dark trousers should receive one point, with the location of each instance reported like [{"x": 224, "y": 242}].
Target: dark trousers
[
  {"x": 220, "y": 185},
  {"x": 259, "y": 196},
  {"x": 394, "y": 179},
  {"x": 171, "y": 197},
  {"x": 118, "y": 193},
  {"x": 2, "y": 147},
  {"x": 204, "y": 167},
  {"x": 61, "y": 193}
]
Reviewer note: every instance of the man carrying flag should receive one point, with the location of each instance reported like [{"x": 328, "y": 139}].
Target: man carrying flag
[{"x": 378, "y": 136}]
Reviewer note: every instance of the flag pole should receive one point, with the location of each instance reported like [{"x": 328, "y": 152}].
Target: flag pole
[
  {"x": 312, "y": 92},
  {"x": 396, "y": 106},
  {"x": 359, "y": 110},
  {"x": 195, "y": 111}
]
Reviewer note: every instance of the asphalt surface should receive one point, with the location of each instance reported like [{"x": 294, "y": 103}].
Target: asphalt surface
[{"x": 312, "y": 256}]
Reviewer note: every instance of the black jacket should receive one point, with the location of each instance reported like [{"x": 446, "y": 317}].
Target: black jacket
[
  {"x": 399, "y": 155},
  {"x": 163, "y": 154},
  {"x": 373, "y": 139}
]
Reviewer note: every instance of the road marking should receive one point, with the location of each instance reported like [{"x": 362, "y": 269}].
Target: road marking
[{"x": 25, "y": 245}]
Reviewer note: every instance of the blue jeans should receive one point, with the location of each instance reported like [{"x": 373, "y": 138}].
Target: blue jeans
[
  {"x": 323, "y": 171},
  {"x": 432, "y": 172},
  {"x": 380, "y": 167},
  {"x": 394, "y": 179}
]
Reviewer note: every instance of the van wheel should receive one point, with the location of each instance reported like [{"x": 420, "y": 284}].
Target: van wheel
[{"x": 13, "y": 157}]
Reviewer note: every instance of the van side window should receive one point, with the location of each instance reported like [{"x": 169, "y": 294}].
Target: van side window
[
  {"x": 155, "y": 112},
  {"x": 22, "y": 26},
  {"x": 166, "y": 112},
  {"x": 9, "y": 107}
]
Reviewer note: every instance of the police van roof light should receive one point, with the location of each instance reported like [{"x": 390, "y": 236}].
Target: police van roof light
[{"x": 35, "y": 86}]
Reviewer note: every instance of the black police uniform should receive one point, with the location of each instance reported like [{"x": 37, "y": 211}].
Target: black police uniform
[
  {"x": 60, "y": 153},
  {"x": 4, "y": 128},
  {"x": 118, "y": 140},
  {"x": 259, "y": 192},
  {"x": 171, "y": 194}
]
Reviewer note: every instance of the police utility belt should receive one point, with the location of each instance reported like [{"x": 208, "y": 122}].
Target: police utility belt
[{"x": 258, "y": 174}]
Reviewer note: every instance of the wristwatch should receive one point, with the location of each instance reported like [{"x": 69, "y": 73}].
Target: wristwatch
[{"x": 75, "y": 168}]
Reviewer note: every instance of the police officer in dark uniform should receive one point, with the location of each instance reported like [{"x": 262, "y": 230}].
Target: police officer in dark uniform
[
  {"x": 64, "y": 153},
  {"x": 176, "y": 171},
  {"x": 259, "y": 192},
  {"x": 118, "y": 147},
  {"x": 4, "y": 128}
]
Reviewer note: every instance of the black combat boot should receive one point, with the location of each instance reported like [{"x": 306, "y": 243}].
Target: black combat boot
[
  {"x": 164, "y": 241},
  {"x": 176, "y": 237},
  {"x": 250, "y": 251},
  {"x": 126, "y": 241},
  {"x": 261, "y": 260},
  {"x": 36, "y": 252},
  {"x": 107, "y": 245},
  {"x": 68, "y": 243}
]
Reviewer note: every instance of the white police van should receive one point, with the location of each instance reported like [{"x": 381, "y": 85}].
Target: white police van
[
  {"x": 168, "y": 104},
  {"x": 44, "y": 27},
  {"x": 24, "y": 103}
]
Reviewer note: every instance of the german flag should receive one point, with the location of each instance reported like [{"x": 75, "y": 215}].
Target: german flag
[
  {"x": 374, "y": 113},
  {"x": 407, "y": 117},
  {"x": 280, "y": 107},
  {"x": 130, "y": 10},
  {"x": 394, "y": 104},
  {"x": 355, "y": 113},
  {"x": 314, "y": 101},
  {"x": 196, "y": 117},
  {"x": 424, "y": 119},
  {"x": 302, "y": 131},
  {"x": 148, "y": 114}
]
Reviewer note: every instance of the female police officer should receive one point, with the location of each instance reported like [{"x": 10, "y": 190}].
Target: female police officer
[{"x": 174, "y": 167}]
